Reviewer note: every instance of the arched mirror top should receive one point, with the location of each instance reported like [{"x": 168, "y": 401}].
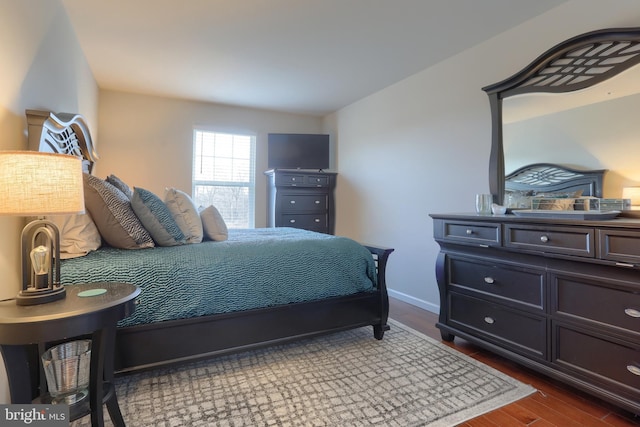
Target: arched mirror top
[{"x": 578, "y": 63}]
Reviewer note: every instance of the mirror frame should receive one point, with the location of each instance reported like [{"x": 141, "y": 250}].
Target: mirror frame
[{"x": 577, "y": 63}]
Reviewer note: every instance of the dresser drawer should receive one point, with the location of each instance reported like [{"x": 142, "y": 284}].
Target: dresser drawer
[
  {"x": 609, "y": 362},
  {"x": 590, "y": 302},
  {"x": 522, "y": 332},
  {"x": 484, "y": 234},
  {"x": 306, "y": 221},
  {"x": 523, "y": 285},
  {"x": 560, "y": 240},
  {"x": 303, "y": 203},
  {"x": 618, "y": 245}
]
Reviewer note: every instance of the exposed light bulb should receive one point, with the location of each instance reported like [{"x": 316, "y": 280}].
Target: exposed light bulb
[{"x": 41, "y": 262}]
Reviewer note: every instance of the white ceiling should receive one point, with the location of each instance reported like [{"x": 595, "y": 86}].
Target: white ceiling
[{"x": 305, "y": 56}]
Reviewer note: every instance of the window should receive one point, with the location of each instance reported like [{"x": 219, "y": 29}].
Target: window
[{"x": 224, "y": 175}]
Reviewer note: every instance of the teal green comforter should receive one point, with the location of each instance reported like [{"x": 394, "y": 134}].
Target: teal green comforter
[{"x": 254, "y": 268}]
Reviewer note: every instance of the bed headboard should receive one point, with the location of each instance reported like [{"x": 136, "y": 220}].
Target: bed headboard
[
  {"x": 548, "y": 177},
  {"x": 62, "y": 133}
]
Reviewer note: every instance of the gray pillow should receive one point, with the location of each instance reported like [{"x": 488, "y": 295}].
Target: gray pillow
[
  {"x": 120, "y": 185},
  {"x": 111, "y": 211}
]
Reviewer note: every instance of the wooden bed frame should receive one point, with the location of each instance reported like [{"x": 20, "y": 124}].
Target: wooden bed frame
[{"x": 152, "y": 345}]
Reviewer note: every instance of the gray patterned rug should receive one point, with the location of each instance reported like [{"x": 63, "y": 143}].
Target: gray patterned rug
[{"x": 344, "y": 379}]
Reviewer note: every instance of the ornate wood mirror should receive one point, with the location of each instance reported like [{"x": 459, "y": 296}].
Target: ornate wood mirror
[{"x": 570, "y": 68}]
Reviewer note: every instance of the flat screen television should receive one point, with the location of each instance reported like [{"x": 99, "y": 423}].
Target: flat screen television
[{"x": 298, "y": 151}]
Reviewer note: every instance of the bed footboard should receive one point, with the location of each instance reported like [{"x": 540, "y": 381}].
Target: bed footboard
[
  {"x": 381, "y": 255},
  {"x": 153, "y": 345}
]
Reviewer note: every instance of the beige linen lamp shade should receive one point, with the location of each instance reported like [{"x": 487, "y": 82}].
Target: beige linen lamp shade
[
  {"x": 632, "y": 193},
  {"x": 34, "y": 184},
  {"x": 39, "y": 184}
]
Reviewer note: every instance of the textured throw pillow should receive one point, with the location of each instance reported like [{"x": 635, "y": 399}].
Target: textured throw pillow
[
  {"x": 78, "y": 235},
  {"x": 185, "y": 214},
  {"x": 213, "y": 224},
  {"x": 120, "y": 185},
  {"x": 112, "y": 213},
  {"x": 156, "y": 218}
]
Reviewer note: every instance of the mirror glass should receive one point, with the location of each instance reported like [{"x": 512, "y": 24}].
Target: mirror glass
[{"x": 594, "y": 128}]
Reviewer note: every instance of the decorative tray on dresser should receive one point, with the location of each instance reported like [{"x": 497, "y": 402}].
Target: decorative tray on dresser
[{"x": 561, "y": 296}]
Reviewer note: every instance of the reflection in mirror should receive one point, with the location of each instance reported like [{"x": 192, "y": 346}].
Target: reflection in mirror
[
  {"x": 594, "y": 128},
  {"x": 532, "y": 122}
]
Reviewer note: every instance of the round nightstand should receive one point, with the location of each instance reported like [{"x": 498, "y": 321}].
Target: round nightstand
[{"x": 25, "y": 328}]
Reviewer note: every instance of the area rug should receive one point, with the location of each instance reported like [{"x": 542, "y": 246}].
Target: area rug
[{"x": 344, "y": 379}]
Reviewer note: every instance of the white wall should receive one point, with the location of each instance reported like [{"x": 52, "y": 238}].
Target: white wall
[
  {"x": 147, "y": 140},
  {"x": 42, "y": 68},
  {"x": 422, "y": 145},
  {"x": 597, "y": 136}
]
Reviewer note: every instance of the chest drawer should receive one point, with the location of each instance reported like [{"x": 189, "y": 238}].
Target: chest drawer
[
  {"x": 483, "y": 234},
  {"x": 303, "y": 203},
  {"x": 317, "y": 180},
  {"x": 289, "y": 179},
  {"x": 307, "y": 221},
  {"x": 586, "y": 300},
  {"x": 507, "y": 283},
  {"x": 621, "y": 246},
  {"x": 522, "y": 332},
  {"x": 560, "y": 240},
  {"x": 303, "y": 180},
  {"x": 614, "y": 363}
]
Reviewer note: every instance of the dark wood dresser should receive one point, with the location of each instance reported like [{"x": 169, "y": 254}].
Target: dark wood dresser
[
  {"x": 301, "y": 199},
  {"x": 559, "y": 296}
]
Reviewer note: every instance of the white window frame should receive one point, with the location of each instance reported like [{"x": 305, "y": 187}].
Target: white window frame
[{"x": 250, "y": 185}]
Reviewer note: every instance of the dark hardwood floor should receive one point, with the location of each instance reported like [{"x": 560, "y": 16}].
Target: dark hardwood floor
[{"x": 555, "y": 404}]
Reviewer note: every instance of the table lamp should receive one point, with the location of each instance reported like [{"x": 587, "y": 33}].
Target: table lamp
[
  {"x": 39, "y": 184},
  {"x": 632, "y": 193}
]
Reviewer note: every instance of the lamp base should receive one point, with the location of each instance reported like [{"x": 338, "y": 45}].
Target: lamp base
[{"x": 40, "y": 296}]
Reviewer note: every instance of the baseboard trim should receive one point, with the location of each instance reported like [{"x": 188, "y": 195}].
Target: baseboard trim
[{"x": 425, "y": 305}]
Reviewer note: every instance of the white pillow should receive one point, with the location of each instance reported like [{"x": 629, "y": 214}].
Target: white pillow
[
  {"x": 213, "y": 224},
  {"x": 78, "y": 234},
  {"x": 185, "y": 214}
]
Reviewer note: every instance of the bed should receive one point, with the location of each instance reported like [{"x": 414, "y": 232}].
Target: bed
[
  {"x": 549, "y": 177},
  {"x": 551, "y": 181},
  {"x": 258, "y": 287}
]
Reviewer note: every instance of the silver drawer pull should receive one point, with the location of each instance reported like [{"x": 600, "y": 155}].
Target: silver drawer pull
[
  {"x": 292, "y": 221},
  {"x": 544, "y": 239},
  {"x": 317, "y": 202},
  {"x": 624, "y": 264},
  {"x": 469, "y": 232},
  {"x": 317, "y": 220},
  {"x": 632, "y": 312},
  {"x": 489, "y": 320},
  {"x": 293, "y": 202},
  {"x": 489, "y": 280},
  {"x": 633, "y": 369}
]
